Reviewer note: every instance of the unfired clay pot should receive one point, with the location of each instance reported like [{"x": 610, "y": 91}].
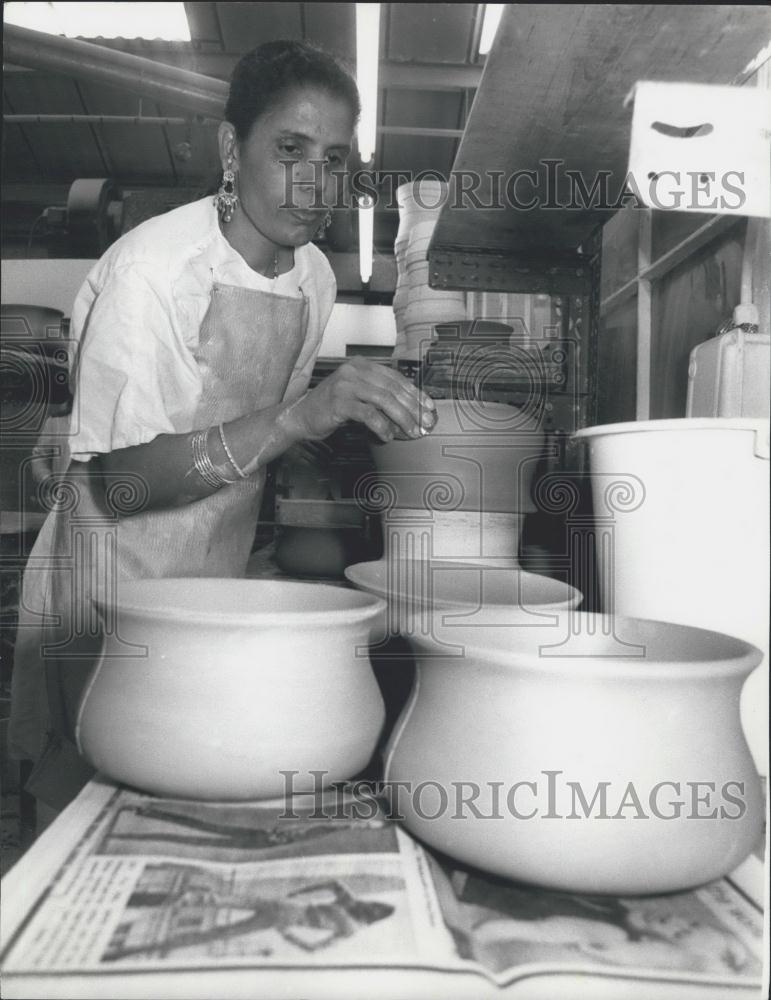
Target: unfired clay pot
[
  {"x": 479, "y": 457},
  {"x": 531, "y": 734},
  {"x": 448, "y": 604},
  {"x": 210, "y": 688}
]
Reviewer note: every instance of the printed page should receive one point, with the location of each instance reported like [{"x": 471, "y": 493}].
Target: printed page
[
  {"x": 713, "y": 934},
  {"x": 160, "y": 884}
]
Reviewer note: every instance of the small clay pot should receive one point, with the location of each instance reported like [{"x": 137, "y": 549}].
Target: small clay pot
[{"x": 480, "y": 457}]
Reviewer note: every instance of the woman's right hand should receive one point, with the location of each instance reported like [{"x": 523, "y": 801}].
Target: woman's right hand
[{"x": 373, "y": 394}]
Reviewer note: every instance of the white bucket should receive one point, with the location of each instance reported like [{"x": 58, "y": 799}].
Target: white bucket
[{"x": 690, "y": 533}]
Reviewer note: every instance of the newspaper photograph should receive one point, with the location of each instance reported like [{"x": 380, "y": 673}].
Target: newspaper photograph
[
  {"x": 709, "y": 934},
  {"x": 156, "y": 884},
  {"x": 159, "y": 883}
]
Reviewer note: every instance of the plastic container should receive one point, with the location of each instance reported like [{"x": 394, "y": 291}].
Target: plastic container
[
  {"x": 686, "y": 503},
  {"x": 730, "y": 376}
]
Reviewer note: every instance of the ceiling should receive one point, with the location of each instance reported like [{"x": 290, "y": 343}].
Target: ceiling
[{"x": 428, "y": 79}]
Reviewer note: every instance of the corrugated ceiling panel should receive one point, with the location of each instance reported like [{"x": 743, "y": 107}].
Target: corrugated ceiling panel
[
  {"x": 414, "y": 154},
  {"x": 19, "y": 163},
  {"x": 203, "y": 165},
  {"x": 424, "y": 109},
  {"x": 138, "y": 153},
  {"x": 33, "y": 93},
  {"x": 152, "y": 155},
  {"x": 430, "y": 32},
  {"x": 246, "y": 25},
  {"x": 65, "y": 152},
  {"x": 332, "y": 26},
  {"x": 62, "y": 152}
]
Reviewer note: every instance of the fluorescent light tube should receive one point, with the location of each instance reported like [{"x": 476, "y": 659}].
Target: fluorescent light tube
[
  {"x": 367, "y": 58},
  {"x": 492, "y": 19},
  {"x": 366, "y": 236}
]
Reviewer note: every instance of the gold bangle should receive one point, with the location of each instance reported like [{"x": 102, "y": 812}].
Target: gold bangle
[
  {"x": 229, "y": 453},
  {"x": 203, "y": 463}
]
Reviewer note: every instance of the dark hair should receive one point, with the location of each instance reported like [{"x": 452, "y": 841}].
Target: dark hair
[{"x": 267, "y": 72}]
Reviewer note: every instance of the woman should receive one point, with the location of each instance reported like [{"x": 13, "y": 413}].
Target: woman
[{"x": 197, "y": 333}]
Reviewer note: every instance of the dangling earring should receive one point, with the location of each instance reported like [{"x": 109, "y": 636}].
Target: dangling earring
[
  {"x": 226, "y": 198},
  {"x": 324, "y": 225}
]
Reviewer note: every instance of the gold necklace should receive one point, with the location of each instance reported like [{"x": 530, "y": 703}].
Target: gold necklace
[{"x": 257, "y": 229}]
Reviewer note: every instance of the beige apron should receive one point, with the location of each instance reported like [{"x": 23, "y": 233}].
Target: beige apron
[{"x": 249, "y": 343}]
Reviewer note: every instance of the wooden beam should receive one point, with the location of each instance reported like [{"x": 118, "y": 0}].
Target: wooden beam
[
  {"x": 643, "y": 395},
  {"x": 426, "y": 133},
  {"x": 715, "y": 226}
]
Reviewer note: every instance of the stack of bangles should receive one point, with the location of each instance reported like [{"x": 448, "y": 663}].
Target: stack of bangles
[{"x": 204, "y": 466}]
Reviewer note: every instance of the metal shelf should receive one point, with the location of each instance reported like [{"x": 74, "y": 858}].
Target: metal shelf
[{"x": 551, "y": 101}]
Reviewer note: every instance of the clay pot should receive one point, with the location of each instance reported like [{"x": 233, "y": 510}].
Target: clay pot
[
  {"x": 209, "y": 689},
  {"x": 642, "y": 714},
  {"x": 454, "y": 534},
  {"x": 419, "y": 201},
  {"x": 304, "y": 551},
  {"x": 446, "y": 604},
  {"x": 479, "y": 457}
]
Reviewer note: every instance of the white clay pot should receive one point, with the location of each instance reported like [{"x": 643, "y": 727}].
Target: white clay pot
[
  {"x": 416, "y": 340},
  {"x": 453, "y": 534},
  {"x": 419, "y": 241},
  {"x": 432, "y": 307},
  {"x": 646, "y": 716},
  {"x": 446, "y": 605},
  {"x": 419, "y": 201},
  {"x": 480, "y": 457},
  {"x": 209, "y": 689}
]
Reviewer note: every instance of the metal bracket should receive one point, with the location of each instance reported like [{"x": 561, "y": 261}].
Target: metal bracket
[
  {"x": 470, "y": 270},
  {"x": 311, "y": 513}
]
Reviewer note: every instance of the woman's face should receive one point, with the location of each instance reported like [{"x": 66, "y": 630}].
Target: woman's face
[{"x": 285, "y": 168}]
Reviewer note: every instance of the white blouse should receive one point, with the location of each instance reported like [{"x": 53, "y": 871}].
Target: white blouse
[{"x": 136, "y": 321}]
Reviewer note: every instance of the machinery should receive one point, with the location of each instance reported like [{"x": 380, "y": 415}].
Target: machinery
[{"x": 91, "y": 220}]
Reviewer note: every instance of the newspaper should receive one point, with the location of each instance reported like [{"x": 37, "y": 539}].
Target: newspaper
[{"x": 162, "y": 884}]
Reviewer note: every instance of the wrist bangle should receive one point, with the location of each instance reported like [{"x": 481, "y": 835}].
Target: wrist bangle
[
  {"x": 203, "y": 463},
  {"x": 229, "y": 453}
]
